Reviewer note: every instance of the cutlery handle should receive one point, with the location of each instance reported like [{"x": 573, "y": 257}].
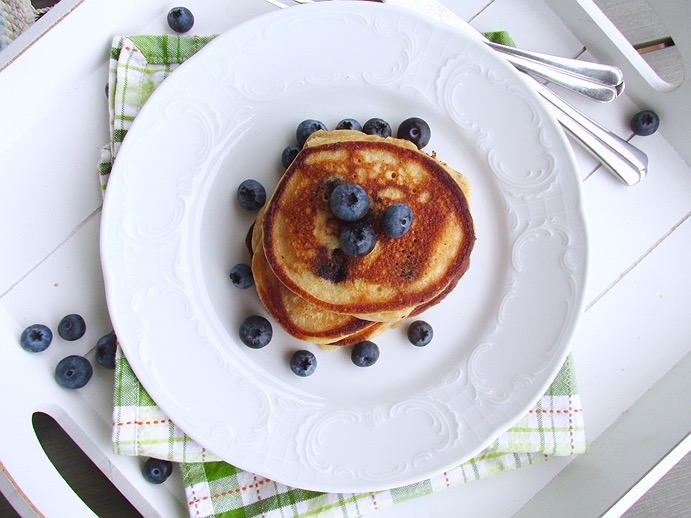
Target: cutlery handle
[
  {"x": 604, "y": 74},
  {"x": 626, "y": 161},
  {"x": 579, "y": 84}
]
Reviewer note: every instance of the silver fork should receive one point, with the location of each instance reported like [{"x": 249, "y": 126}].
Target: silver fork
[{"x": 626, "y": 161}]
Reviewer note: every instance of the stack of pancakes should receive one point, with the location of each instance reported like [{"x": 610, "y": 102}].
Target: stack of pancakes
[{"x": 319, "y": 294}]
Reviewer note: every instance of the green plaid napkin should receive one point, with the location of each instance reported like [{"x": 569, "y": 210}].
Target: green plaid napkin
[{"x": 554, "y": 427}]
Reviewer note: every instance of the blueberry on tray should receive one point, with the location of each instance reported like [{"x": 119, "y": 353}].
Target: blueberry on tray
[
  {"x": 73, "y": 372},
  {"x": 36, "y": 338},
  {"x": 105, "y": 350},
  {"x": 180, "y": 19},
  {"x": 157, "y": 471},
  {"x": 71, "y": 327},
  {"x": 645, "y": 123}
]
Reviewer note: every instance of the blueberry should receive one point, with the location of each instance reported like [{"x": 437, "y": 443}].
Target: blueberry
[
  {"x": 289, "y": 154},
  {"x": 357, "y": 239},
  {"x": 420, "y": 333},
  {"x": 349, "y": 124},
  {"x": 157, "y": 471},
  {"x": 72, "y": 327},
  {"x": 397, "y": 219},
  {"x": 180, "y": 19},
  {"x": 349, "y": 202},
  {"x": 36, "y": 338},
  {"x": 416, "y": 130},
  {"x": 377, "y": 127},
  {"x": 645, "y": 123},
  {"x": 256, "y": 332},
  {"x": 73, "y": 372},
  {"x": 105, "y": 350},
  {"x": 303, "y": 363},
  {"x": 306, "y": 128},
  {"x": 241, "y": 275},
  {"x": 365, "y": 354},
  {"x": 251, "y": 195}
]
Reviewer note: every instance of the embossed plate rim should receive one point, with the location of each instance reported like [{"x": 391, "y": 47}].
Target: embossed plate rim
[{"x": 211, "y": 106}]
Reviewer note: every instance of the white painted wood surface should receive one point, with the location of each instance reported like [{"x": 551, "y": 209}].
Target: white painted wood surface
[{"x": 53, "y": 111}]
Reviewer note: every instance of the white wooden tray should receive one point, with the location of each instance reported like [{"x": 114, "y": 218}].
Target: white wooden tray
[{"x": 631, "y": 350}]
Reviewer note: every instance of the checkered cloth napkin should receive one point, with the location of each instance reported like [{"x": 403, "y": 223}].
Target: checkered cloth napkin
[{"x": 554, "y": 427}]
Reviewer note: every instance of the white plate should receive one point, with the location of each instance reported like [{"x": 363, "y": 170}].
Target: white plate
[{"x": 171, "y": 231}]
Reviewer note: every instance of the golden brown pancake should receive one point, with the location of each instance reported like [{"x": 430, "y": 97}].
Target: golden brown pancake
[
  {"x": 298, "y": 317},
  {"x": 300, "y": 234},
  {"x": 302, "y": 319}
]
